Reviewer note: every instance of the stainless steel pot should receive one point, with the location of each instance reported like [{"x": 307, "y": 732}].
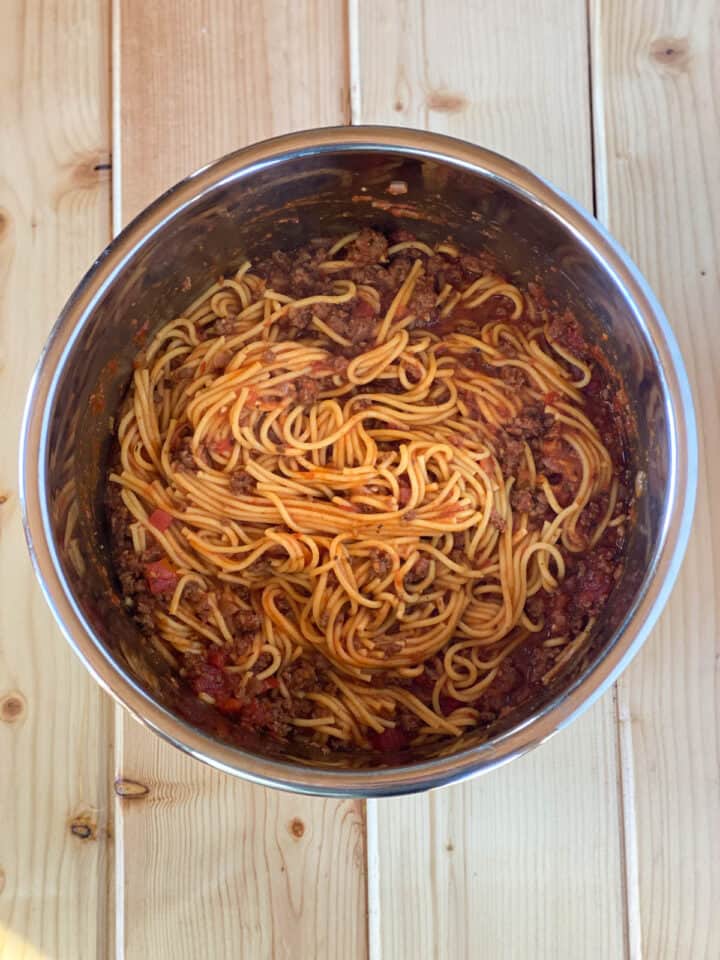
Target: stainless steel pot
[{"x": 277, "y": 194}]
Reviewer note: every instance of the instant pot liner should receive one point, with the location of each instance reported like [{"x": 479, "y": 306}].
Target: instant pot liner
[{"x": 250, "y": 215}]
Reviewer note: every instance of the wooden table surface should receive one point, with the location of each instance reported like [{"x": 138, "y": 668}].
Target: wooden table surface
[{"x": 605, "y": 842}]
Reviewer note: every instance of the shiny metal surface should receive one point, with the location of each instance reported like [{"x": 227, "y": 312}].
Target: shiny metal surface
[{"x": 276, "y": 194}]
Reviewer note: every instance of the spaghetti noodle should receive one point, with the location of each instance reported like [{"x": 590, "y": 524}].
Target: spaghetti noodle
[{"x": 368, "y": 494}]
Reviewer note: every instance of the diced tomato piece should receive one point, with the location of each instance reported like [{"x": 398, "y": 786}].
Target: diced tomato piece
[
  {"x": 391, "y": 740},
  {"x": 223, "y": 446},
  {"x": 319, "y": 368},
  {"x": 363, "y": 310},
  {"x": 216, "y": 657},
  {"x": 230, "y": 705},
  {"x": 160, "y": 519},
  {"x": 160, "y": 576}
]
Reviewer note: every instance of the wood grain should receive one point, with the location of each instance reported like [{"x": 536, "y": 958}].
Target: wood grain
[
  {"x": 490, "y": 73},
  {"x": 658, "y": 139},
  {"x": 54, "y": 721},
  {"x": 215, "y": 76},
  {"x": 522, "y": 863},
  {"x": 526, "y": 862},
  {"x": 230, "y": 870},
  {"x": 233, "y": 870}
]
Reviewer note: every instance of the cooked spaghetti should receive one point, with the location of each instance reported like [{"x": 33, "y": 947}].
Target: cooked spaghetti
[{"x": 369, "y": 493}]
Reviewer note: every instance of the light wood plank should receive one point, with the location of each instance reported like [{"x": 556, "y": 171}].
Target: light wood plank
[
  {"x": 217, "y": 868},
  {"x": 213, "y": 76},
  {"x": 213, "y": 867},
  {"x": 658, "y": 140},
  {"x": 523, "y": 863},
  {"x": 54, "y": 721},
  {"x": 526, "y": 862}
]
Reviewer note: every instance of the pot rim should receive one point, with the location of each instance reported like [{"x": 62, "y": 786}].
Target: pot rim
[{"x": 567, "y": 705}]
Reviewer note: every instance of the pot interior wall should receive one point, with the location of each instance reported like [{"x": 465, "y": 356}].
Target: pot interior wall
[{"x": 280, "y": 206}]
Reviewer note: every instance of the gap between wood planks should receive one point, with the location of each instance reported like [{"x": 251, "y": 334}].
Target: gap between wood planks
[{"x": 626, "y": 769}]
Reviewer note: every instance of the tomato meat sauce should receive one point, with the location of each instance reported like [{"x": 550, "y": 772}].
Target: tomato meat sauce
[{"x": 272, "y": 705}]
